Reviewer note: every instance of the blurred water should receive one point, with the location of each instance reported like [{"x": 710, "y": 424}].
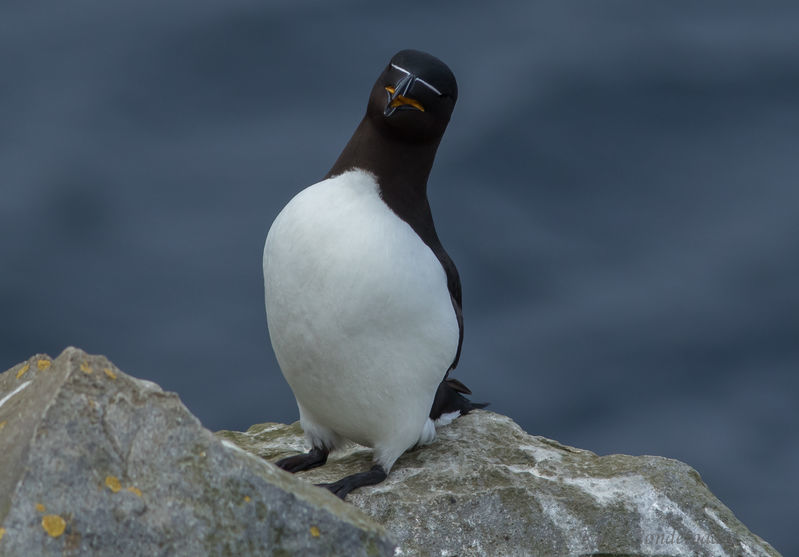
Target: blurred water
[{"x": 618, "y": 187}]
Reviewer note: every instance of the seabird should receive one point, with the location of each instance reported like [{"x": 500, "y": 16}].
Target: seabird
[{"x": 363, "y": 303}]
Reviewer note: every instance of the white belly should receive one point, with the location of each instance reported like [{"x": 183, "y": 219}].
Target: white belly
[{"x": 359, "y": 313}]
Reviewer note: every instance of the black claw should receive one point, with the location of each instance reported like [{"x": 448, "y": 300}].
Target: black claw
[
  {"x": 297, "y": 463},
  {"x": 342, "y": 487}
]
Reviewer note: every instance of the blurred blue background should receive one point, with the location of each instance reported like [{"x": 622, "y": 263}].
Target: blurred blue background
[{"x": 618, "y": 187}]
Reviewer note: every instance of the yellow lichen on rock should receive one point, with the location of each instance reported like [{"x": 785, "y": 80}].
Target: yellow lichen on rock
[
  {"x": 23, "y": 370},
  {"x": 3, "y": 424},
  {"x": 41, "y": 508},
  {"x": 109, "y": 373},
  {"x": 112, "y": 483},
  {"x": 315, "y": 532},
  {"x": 86, "y": 368},
  {"x": 53, "y": 525},
  {"x": 135, "y": 490},
  {"x": 2, "y": 533},
  {"x": 43, "y": 364}
]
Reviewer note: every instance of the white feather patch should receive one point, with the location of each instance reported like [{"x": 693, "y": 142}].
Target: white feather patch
[
  {"x": 446, "y": 419},
  {"x": 359, "y": 315}
]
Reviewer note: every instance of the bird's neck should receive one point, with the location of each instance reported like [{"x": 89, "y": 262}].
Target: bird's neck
[{"x": 401, "y": 167}]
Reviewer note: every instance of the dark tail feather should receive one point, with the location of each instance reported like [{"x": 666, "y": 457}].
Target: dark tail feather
[{"x": 449, "y": 399}]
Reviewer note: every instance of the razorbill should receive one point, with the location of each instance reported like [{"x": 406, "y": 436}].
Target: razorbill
[{"x": 362, "y": 302}]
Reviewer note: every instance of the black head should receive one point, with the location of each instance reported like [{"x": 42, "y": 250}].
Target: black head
[{"x": 414, "y": 96}]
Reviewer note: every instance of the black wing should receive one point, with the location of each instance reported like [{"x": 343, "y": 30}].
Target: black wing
[
  {"x": 414, "y": 208},
  {"x": 416, "y": 212},
  {"x": 454, "y": 285}
]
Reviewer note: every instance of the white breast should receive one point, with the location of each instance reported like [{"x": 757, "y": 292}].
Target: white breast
[{"x": 359, "y": 314}]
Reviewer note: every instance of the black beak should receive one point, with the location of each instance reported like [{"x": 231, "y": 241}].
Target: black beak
[{"x": 398, "y": 98}]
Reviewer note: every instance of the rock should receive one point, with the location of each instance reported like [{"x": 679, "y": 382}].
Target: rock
[
  {"x": 485, "y": 487},
  {"x": 95, "y": 462}
]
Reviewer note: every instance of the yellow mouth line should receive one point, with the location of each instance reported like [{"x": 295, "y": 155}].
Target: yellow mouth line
[{"x": 404, "y": 101}]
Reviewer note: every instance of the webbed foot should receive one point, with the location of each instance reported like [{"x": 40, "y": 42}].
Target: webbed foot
[
  {"x": 342, "y": 487},
  {"x": 314, "y": 458}
]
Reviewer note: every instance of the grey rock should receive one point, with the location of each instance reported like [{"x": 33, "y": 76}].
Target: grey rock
[
  {"x": 485, "y": 487},
  {"x": 95, "y": 462}
]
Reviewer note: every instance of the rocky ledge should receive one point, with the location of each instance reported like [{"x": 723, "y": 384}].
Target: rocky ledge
[{"x": 96, "y": 462}]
